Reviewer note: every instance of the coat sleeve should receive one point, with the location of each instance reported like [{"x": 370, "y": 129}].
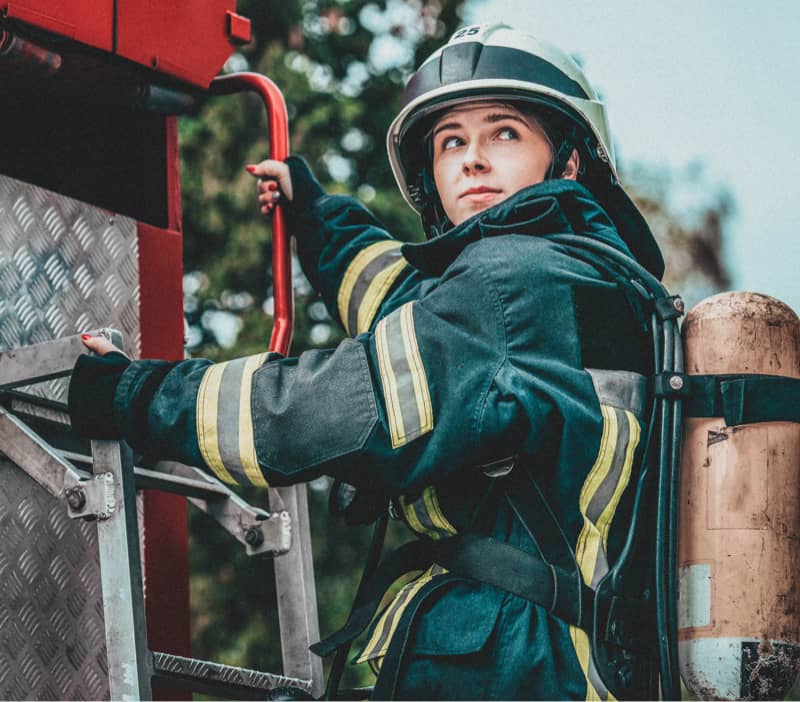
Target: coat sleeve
[
  {"x": 392, "y": 409},
  {"x": 346, "y": 253}
]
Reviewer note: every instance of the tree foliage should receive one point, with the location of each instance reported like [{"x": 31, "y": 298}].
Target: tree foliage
[{"x": 341, "y": 66}]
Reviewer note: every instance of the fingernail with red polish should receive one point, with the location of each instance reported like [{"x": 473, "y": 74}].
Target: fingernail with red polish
[
  {"x": 272, "y": 185},
  {"x": 250, "y": 169},
  {"x": 86, "y": 336}
]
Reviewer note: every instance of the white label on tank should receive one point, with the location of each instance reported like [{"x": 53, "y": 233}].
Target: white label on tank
[
  {"x": 712, "y": 668},
  {"x": 694, "y": 595}
]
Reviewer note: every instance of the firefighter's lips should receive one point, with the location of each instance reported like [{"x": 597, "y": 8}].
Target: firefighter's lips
[{"x": 479, "y": 194}]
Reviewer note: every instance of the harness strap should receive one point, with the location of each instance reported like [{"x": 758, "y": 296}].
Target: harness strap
[
  {"x": 513, "y": 570},
  {"x": 480, "y": 558},
  {"x": 743, "y": 398},
  {"x": 534, "y": 513}
]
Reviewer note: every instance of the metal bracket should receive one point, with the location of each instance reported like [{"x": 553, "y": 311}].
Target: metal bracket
[
  {"x": 90, "y": 498},
  {"x": 87, "y": 496},
  {"x": 260, "y": 531}
]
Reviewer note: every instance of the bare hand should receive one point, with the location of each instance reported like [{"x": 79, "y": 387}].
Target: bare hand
[
  {"x": 274, "y": 180},
  {"x": 99, "y": 344}
]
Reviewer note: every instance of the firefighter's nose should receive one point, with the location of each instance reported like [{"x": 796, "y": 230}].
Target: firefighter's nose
[{"x": 474, "y": 162}]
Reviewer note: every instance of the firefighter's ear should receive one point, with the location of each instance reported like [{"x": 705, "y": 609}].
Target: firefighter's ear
[{"x": 573, "y": 166}]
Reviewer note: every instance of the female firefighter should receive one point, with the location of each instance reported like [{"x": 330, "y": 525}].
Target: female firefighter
[{"x": 491, "y": 389}]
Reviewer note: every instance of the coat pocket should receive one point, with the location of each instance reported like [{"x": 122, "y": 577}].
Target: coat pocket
[
  {"x": 316, "y": 408},
  {"x": 459, "y": 622}
]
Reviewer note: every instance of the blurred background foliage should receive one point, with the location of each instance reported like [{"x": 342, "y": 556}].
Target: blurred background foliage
[{"x": 341, "y": 66}]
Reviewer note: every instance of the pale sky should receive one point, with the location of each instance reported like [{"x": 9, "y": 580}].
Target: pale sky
[{"x": 709, "y": 81}]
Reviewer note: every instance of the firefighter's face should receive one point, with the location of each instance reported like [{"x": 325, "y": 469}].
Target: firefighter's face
[{"x": 484, "y": 152}]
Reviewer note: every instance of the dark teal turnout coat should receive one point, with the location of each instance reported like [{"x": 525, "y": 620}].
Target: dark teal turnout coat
[{"x": 490, "y": 343}]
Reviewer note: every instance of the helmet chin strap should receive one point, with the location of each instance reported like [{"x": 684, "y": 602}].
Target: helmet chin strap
[
  {"x": 559, "y": 163},
  {"x": 434, "y": 220}
]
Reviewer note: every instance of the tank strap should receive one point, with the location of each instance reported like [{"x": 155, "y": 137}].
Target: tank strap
[
  {"x": 744, "y": 398},
  {"x": 519, "y": 572}
]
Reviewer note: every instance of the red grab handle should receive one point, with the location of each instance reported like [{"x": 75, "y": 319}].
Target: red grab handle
[{"x": 279, "y": 149}]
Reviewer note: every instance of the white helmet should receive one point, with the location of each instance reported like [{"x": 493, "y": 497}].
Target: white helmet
[{"x": 494, "y": 61}]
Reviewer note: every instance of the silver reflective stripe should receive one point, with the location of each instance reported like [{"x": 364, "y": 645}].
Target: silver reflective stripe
[
  {"x": 608, "y": 485},
  {"x": 366, "y": 282},
  {"x": 600, "y": 496},
  {"x": 225, "y": 432},
  {"x": 403, "y": 379},
  {"x": 621, "y": 389},
  {"x": 425, "y": 516}
]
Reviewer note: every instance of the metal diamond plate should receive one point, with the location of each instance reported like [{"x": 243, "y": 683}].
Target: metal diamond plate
[
  {"x": 65, "y": 267},
  {"x": 52, "y": 635}
]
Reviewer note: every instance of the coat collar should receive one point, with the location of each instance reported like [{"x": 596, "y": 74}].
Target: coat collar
[{"x": 551, "y": 207}]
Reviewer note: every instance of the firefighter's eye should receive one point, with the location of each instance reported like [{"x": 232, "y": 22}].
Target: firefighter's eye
[
  {"x": 507, "y": 134},
  {"x": 451, "y": 142}
]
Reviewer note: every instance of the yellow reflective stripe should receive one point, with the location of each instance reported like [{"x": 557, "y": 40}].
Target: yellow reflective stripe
[
  {"x": 588, "y": 548},
  {"x": 387, "y": 624},
  {"x": 389, "y": 382},
  {"x": 247, "y": 446},
  {"x": 206, "y": 422},
  {"x": 411, "y": 516},
  {"x": 604, "y": 457},
  {"x": 604, "y": 521},
  {"x": 580, "y": 640},
  {"x": 590, "y": 539},
  {"x": 375, "y": 293},
  {"x": 435, "y": 511},
  {"x": 384, "y": 630},
  {"x": 418, "y": 377},
  {"x": 354, "y": 270},
  {"x": 405, "y": 385}
]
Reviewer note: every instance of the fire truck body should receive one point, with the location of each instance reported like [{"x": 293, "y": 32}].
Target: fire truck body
[
  {"x": 183, "y": 39},
  {"x": 90, "y": 237}
]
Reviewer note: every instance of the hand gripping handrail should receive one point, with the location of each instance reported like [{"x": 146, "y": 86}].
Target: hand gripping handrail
[
  {"x": 294, "y": 571},
  {"x": 281, "y": 245}
]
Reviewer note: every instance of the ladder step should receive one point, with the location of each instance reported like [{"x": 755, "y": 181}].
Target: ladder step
[{"x": 218, "y": 680}]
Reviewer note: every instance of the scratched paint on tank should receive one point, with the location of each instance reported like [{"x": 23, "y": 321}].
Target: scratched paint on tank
[{"x": 740, "y": 511}]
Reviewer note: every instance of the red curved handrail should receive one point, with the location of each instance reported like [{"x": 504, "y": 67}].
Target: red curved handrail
[{"x": 281, "y": 246}]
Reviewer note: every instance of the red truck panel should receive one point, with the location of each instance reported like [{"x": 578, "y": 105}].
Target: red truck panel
[
  {"x": 187, "y": 39},
  {"x": 87, "y": 21},
  {"x": 165, "y": 534}
]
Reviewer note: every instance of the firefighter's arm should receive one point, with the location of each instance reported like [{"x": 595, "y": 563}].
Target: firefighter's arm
[
  {"x": 347, "y": 255},
  {"x": 390, "y": 410}
]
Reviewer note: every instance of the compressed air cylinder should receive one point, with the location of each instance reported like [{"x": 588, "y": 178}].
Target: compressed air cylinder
[{"x": 739, "y": 545}]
